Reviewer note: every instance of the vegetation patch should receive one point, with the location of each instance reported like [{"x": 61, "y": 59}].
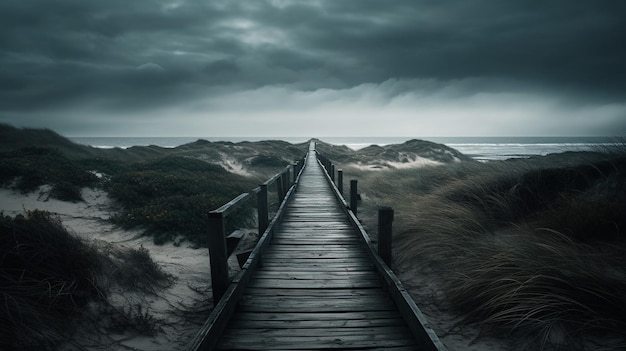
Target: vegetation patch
[
  {"x": 166, "y": 192},
  {"x": 51, "y": 281},
  {"x": 29, "y": 168},
  {"x": 167, "y": 197},
  {"x": 171, "y": 196},
  {"x": 523, "y": 248}
]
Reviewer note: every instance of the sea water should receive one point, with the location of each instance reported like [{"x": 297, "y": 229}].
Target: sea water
[{"x": 479, "y": 148}]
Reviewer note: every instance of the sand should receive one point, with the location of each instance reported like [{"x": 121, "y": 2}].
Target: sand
[
  {"x": 414, "y": 162},
  {"x": 189, "y": 265}
]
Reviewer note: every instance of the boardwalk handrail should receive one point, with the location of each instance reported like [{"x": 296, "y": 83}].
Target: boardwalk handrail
[
  {"x": 218, "y": 253},
  {"x": 232, "y": 205},
  {"x": 414, "y": 317},
  {"x": 216, "y": 323}
]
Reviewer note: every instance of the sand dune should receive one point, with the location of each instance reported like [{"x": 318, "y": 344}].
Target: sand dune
[{"x": 189, "y": 265}]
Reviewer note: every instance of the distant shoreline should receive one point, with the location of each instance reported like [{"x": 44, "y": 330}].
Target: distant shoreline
[{"x": 479, "y": 148}]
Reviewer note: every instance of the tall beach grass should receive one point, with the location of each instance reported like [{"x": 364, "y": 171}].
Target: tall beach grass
[
  {"x": 527, "y": 249},
  {"x": 53, "y": 284}
]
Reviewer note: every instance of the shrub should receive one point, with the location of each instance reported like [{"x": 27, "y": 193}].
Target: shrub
[
  {"x": 51, "y": 280},
  {"x": 33, "y": 167},
  {"x": 48, "y": 277},
  {"x": 171, "y": 196},
  {"x": 266, "y": 161}
]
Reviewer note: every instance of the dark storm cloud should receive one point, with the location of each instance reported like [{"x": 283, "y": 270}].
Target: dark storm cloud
[
  {"x": 132, "y": 55},
  {"x": 558, "y": 42}
]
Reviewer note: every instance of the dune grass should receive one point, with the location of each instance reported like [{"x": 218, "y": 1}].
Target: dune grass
[
  {"x": 52, "y": 281},
  {"x": 523, "y": 248},
  {"x": 165, "y": 197},
  {"x": 30, "y": 168},
  {"x": 172, "y": 195}
]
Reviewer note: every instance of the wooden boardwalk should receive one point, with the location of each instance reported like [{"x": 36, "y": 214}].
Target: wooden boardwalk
[{"x": 317, "y": 287}]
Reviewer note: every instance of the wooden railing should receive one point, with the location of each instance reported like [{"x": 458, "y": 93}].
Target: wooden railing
[
  {"x": 218, "y": 240},
  {"x": 216, "y": 323},
  {"x": 385, "y": 214},
  {"x": 416, "y": 321}
]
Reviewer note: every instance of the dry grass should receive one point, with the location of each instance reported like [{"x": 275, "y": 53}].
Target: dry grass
[
  {"x": 530, "y": 249},
  {"x": 52, "y": 282}
]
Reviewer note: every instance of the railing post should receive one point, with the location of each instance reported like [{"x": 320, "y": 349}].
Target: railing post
[
  {"x": 280, "y": 189},
  {"x": 353, "y": 195},
  {"x": 285, "y": 179},
  {"x": 340, "y": 181},
  {"x": 295, "y": 172},
  {"x": 332, "y": 172},
  {"x": 262, "y": 212},
  {"x": 217, "y": 255},
  {"x": 385, "y": 219}
]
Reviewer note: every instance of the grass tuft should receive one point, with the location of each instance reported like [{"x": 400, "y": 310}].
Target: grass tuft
[
  {"x": 29, "y": 168},
  {"x": 51, "y": 279},
  {"x": 172, "y": 195}
]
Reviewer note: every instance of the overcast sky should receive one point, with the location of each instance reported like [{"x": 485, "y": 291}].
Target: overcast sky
[{"x": 314, "y": 68}]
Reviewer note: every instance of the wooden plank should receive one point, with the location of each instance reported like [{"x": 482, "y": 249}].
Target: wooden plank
[
  {"x": 315, "y": 227},
  {"x": 328, "y": 212},
  {"x": 319, "y": 262},
  {"x": 329, "y": 257},
  {"x": 329, "y": 236},
  {"x": 320, "y": 245},
  {"x": 316, "y": 247},
  {"x": 307, "y": 275},
  {"x": 322, "y": 217},
  {"x": 242, "y": 322},
  {"x": 314, "y": 284},
  {"x": 310, "y": 242},
  {"x": 317, "y": 235},
  {"x": 307, "y": 304},
  {"x": 316, "y": 268},
  {"x": 281, "y": 240},
  {"x": 230, "y": 341},
  {"x": 318, "y": 316},
  {"x": 329, "y": 293},
  {"x": 389, "y": 331},
  {"x": 319, "y": 232}
]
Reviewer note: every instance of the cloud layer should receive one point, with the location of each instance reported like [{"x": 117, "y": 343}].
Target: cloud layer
[{"x": 484, "y": 67}]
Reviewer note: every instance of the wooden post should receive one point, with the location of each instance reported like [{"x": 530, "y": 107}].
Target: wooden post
[
  {"x": 285, "y": 179},
  {"x": 353, "y": 195},
  {"x": 217, "y": 255},
  {"x": 295, "y": 172},
  {"x": 280, "y": 188},
  {"x": 332, "y": 172},
  {"x": 340, "y": 181},
  {"x": 262, "y": 212},
  {"x": 385, "y": 219}
]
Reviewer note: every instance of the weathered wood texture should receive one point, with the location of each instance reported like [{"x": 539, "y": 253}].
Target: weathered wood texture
[{"x": 317, "y": 288}]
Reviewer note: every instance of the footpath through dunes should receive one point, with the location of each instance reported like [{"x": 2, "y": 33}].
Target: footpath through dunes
[{"x": 317, "y": 288}]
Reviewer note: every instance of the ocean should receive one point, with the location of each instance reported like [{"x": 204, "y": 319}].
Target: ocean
[{"x": 479, "y": 148}]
